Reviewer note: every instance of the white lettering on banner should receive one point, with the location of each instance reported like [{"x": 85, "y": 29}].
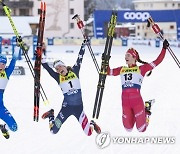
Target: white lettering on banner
[
  {"x": 136, "y": 15},
  {"x": 99, "y": 33},
  {"x": 99, "y": 28}
]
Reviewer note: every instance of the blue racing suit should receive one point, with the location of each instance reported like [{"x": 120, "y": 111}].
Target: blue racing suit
[{"x": 5, "y": 115}]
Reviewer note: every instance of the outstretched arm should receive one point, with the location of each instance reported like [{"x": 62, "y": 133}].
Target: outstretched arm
[
  {"x": 77, "y": 65},
  {"x": 147, "y": 67},
  {"x": 12, "y": 64},
  {"x": 114, "y": 71},
  {"x": 54, "y": 74},
  {"x": 11, "y": 67}
]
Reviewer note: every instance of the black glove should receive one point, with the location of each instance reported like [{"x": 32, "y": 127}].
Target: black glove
[
  {"x": 18, "y": 41},
  {"x": 86, "y": 41},
  {"x": 165, "y": 44}
]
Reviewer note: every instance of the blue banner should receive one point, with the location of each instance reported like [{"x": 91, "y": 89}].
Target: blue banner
[{"x": 103, "y": 16}]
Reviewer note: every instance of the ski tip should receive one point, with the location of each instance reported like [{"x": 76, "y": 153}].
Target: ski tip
[
  {"x": 41, "y": 5},
  {"x": 75, "y": 16},
  {"x": 44, "y": 5}
]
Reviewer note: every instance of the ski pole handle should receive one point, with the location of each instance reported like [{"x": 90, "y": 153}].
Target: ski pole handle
[
  {"x": 156, "y": 28},
  {"x": 80, "y": 24},
  {"x": 79, "y": 21}
]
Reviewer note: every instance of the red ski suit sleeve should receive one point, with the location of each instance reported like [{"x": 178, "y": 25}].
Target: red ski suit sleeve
[
  {"x": 144, "y": 68},
  {"x": 147, "y": 67}
]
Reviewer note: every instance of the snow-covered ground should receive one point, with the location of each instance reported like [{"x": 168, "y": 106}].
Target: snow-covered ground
[{"x": 34, "y": 137}]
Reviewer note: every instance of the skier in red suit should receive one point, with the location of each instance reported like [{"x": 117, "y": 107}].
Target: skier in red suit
[{"x": 134, "y": 110}]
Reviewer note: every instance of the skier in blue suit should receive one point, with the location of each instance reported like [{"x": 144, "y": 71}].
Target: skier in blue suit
[
  {"x": 5, "y": 115},
  {"x": 68, "y": 79}
]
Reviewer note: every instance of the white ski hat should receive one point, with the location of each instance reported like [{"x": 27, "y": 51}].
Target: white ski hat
[{"x": 58, "y": 62}]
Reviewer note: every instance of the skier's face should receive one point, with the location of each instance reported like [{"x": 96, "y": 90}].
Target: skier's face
[
  {"x": 61, "y": 70},
  {"x": 2, "y": 67},
  {"x": 130, "y": 60}
]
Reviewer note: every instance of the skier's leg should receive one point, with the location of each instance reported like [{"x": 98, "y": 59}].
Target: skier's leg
[
  {"x": 128, "y": 118},
  {"x": 6, "y": 116},
  {"x": 140, "y": 114},
  {"x": 55, "y": 124},
  {"x": 127, "y": 113},
  {"x": 83, "y": 120}
]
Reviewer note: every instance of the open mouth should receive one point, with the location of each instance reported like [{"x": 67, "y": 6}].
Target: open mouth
[{"x": 61, "y": 72}]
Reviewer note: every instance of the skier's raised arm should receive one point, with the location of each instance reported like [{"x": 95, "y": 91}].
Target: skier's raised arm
[{"x": 77, "y": 65}]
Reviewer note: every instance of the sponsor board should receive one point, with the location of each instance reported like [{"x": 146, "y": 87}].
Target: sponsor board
[{"x": 18, "y": 70}]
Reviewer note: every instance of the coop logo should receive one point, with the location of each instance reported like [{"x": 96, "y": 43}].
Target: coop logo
[{"x": 137, "y": 15}]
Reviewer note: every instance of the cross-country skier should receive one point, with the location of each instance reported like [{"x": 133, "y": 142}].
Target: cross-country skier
[
  {"x": 68, "y": 79},
  {"x": 5, "y": 115},
  {"x": 134, "y": 110}
]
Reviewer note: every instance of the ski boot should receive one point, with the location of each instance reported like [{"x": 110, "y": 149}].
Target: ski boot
[
  {"x": 148, "y": 105},
  {"x": 4, "y": 131},
  {"x": 48, "y": 114},
  {"x": 96, "y": 127}
]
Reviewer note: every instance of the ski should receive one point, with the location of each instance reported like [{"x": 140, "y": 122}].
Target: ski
[
  {"x": 37, "y": 65},
  {"x": 81, "y": 26},
  {"x": 157, "y": 30},
  {"x": 22, "y": 45},
  {"x": 104, "y": 65}
]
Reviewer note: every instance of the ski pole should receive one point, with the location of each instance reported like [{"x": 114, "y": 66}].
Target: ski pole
[
  {"x": 82, "y": 28},
  {"x": 157, "y": 30},
  {"x": 21, "y": 45}
]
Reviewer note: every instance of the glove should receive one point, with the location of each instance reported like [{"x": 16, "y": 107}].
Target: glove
[
  {"x": 86, "y": 41},
  {"x": 18, "y": 41},
  {"x": 165, "y": 44}
]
